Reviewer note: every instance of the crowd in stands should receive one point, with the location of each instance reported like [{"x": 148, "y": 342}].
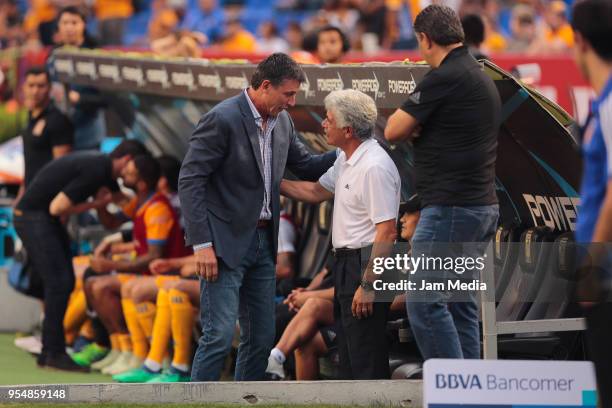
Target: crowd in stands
[{"x": 183, "y": 27}]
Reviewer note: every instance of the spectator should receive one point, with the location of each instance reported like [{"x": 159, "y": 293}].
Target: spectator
[
  {"x": 341, "y": 14},
  {"x": 522, "y": 27},
  {"x": 85, "y": 102},
  {"x": 332, "y": 44},
  {"x": 294, "y": 36},
  {"x": 178, "y": 44},
  {"x": 59, "y": 189},
  {"x": 49, "y": 133},
  {"x": 40, "y": 19},
  {"x": 459, "y": 110},
  {"x": 592, "y": 24},
  {"x": 371, "y": 25},
  {"x": 207, "y": 19},
  {"x": 400, "y": 16},
  {"x": 112, "y": 15},
  {"x": 495, "y": 41},
  {"x": 236, "y": 38},
  {"x": 474, "y": 30},
  {"x": 366, "y": 185},
  {"x": 557, "y": 35},
  {"x": 11, "y": 33},
  {"x": 269, "y": 41}
]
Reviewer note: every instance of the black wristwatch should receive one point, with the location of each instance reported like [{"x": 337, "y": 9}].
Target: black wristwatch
[{"x": 366, "y": 285}]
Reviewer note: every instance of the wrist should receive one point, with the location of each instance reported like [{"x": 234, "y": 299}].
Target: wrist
[{"x": 366, "y": 285}]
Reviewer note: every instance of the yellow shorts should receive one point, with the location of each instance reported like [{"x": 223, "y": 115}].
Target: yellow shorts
[{"x": 160, "y": 280}]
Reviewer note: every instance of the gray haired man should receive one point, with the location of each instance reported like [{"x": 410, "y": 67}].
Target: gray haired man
[{"x": 366, "y": 186}]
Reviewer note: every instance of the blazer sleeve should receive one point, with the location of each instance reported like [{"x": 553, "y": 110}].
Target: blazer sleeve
[
  {"x": 305, "y": 165},
  {"x": 207, "y": 149}
]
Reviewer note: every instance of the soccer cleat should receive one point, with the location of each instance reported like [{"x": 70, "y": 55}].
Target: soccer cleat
[
  {"x": 120, "y": 365},
  {"x": 170, "y": 376},
  {"x": 62, "y": 362},
  {"x": 136, "y": 375},
  {"x": 89, "y": 354},
  {"x": 275, "y": 370},
  {"x": 106, "y": 361},
  {"x": 31, "y": 344}
]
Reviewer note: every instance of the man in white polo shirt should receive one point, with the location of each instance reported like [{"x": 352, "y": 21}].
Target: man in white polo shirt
[{"x": 365, "y": 185}]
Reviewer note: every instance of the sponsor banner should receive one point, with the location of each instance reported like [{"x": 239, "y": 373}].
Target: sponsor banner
[
  {"x": 388, "y": 84},
  {"x": 508, "y": 383}
]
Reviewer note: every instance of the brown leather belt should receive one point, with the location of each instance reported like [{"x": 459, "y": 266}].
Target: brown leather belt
[{"x": 263, "y": 223}]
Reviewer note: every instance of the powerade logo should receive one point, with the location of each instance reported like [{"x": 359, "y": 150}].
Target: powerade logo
[{"x": 455, "y": 381}]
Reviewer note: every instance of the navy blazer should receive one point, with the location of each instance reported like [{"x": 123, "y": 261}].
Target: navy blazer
[{"x": 221, "y": 185}]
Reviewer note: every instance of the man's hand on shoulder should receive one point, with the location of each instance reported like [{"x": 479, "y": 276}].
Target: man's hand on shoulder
[{"x": 206, "y": 264}]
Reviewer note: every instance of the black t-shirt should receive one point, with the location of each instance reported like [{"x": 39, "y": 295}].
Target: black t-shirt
[
  {"x": 458, "y": 107},
  {"x": 78, "y": 175},
  {"x": 50, "y": 128}
]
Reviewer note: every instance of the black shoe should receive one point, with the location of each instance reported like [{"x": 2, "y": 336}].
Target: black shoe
[
  {"x": 41, "y": 359},
  {"x": 63, "y": 362}
]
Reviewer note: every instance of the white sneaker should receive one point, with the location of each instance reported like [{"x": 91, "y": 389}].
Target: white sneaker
[
  {"x": 121, "y": 364},
  {"x": 31, "y": 344},
  {"x": 275, "y": 369},
  {"x": 106, "y": 361}
]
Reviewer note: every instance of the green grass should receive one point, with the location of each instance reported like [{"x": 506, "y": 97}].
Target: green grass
[{"x": 19, "y": 367}]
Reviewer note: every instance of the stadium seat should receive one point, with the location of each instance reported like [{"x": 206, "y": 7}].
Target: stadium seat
[{"x": 527, "y": 276}]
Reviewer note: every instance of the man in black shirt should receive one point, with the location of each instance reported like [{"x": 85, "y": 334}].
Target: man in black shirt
[
  {"x": 50, "y": 133},
  {"x": 59, "y": 189},
  {"x": 457, "y": 109}
]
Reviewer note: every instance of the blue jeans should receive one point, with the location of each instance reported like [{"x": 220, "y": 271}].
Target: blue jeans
[
  {"x": 246, "y": 294},
  {"x": 446, "y": 329}
]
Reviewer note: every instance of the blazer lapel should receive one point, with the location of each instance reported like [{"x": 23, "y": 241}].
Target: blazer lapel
[
  {"x": 252, "y": 131},
  {"x": 279, "y": 148}
]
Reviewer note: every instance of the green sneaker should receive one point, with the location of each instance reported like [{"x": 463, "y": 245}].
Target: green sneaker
[
  {"x": 170, "y": 377},
  {"x": 90, "y": 354},
  {"x": 137, "y": 375}
]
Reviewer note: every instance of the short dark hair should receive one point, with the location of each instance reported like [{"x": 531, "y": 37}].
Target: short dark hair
[
  {"x": 346, "y": 45},
  {"x": 593, "y": 20},
  {"x": 474, "y": 29},
  {"x": 128, "y": 147},
  {"x": 149, "y": 170},
  {"x": 38, "y": 70},
  {"x": 72, "y": 10},
  {"x": 277, "y": 68},
  {"x": 170, "y": 168},
  {"x": 441, "y": 24}
]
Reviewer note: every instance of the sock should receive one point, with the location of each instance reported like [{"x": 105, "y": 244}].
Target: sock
[
  {"x": 145, "y": 313},
  {"x": 153, "y": 366},
  {"x": 76, "y": 312},
  {"x": 87, "y": 330},
  {"x": 114, "y": 340},
  {"x": 182, "y": 325},
  {"x": 161, "y": 332},
  {"x": 139, "y": 341},
  {"x": 278, "y": 355},
  {"x": 125, "y": 344}
]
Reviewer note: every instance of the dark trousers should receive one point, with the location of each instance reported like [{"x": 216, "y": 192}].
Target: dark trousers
[
  {"x": 48, "y": 246},
  {"x": 362, "y": 343}
]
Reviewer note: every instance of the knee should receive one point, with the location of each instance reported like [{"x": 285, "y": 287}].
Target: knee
[{"x": 143, "y": 293}]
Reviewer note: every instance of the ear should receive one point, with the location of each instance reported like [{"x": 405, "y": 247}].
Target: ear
[
  {"x": 580, "y": 43},
  {"x": 266, "y": 84}
]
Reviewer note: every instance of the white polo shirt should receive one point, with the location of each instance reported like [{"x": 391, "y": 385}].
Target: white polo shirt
[{"x": 367, "y": 192}]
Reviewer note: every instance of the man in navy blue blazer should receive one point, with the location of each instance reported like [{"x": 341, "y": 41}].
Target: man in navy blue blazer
[{"x": 229, "y": 192}]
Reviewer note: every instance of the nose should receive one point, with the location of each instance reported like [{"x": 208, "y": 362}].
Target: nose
[{"x": 292, "y": 101}]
